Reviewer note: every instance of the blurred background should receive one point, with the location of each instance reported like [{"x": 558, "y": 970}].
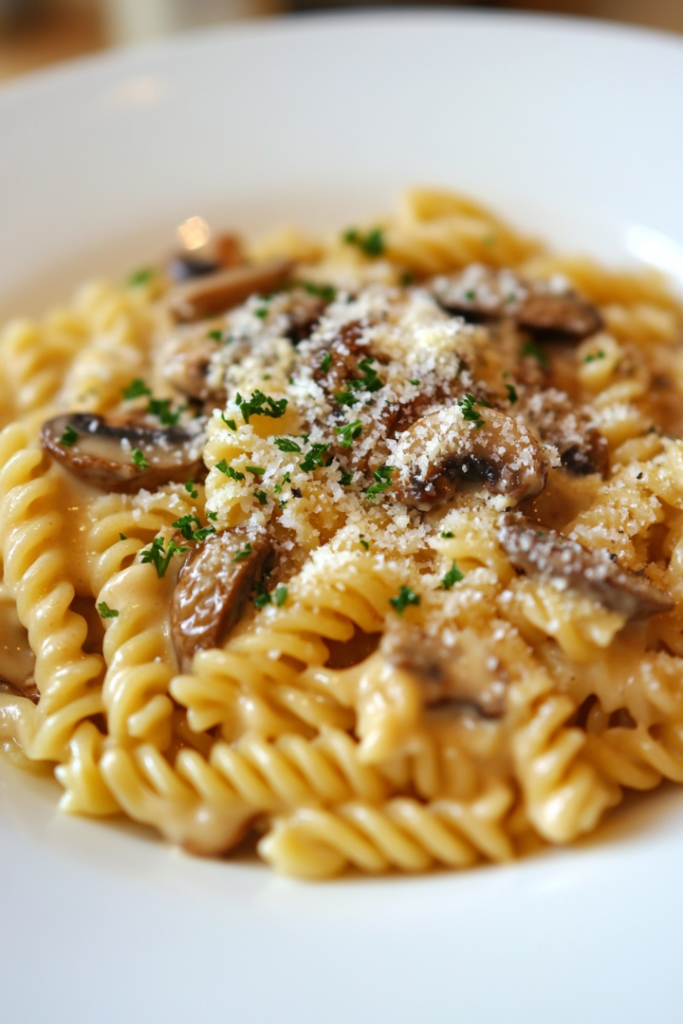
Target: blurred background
[{"x": 35, "y": 33}]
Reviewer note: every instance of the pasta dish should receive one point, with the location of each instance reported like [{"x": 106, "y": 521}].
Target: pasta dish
[{"x": 369, "y": 547}]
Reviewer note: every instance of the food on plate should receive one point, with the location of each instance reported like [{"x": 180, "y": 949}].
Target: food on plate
[{"x": 370, "y": 546}]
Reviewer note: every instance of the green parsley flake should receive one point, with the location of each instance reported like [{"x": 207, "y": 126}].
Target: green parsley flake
[
  {"x": 189, "y": 487},
  {"x": 261, "y": 405},
  {"x": 364, "y": 543},
  {"x": 229, "y": 423},
  {"x": 349, "y": 433},
  {"x": 140, "y": 277},
  {"x": 215, "y": 335},
  {"x": 369, "y": 381},
  {"x": 414, "y": 382},
  {"x": 184, "y": 524},
  {"x": 285, "y": 444},
  {"x": 470, "y": 296},
  {"x": 139, "y": 459},
  {"x": 315, "y": 457},
  {"x": 371, "y": 244},
  {"x": 69, "y": 437},
  {"x": 255, "y": 470},
  {"x": 106, "y": 612},
  {"x": 285, "y": 480},
  {"x": 262, "y": 596},
  {"x": 122, "y": 536},
  {"x": 161, "y": 407},
  {"x": 529, "y": 349},
  {"x": 346, "y": 398},
  {"x": 469, "y": 412},
  {"x": 382, "y": 482},
  {"x": 243, "y": 553},
  {"x": 233, "y": 474},
  {"x": 261, "y": 497},
  {"x": 326, "y": 362},
  {"x": 213, "y": 516},
  {"x": 407, "y": 278},
  {"x": 346, "y": 478},
  {"x": 447, "y": 534},
  {"x": 592, "y": 356},
  {"x": 452, "y": 576},
  {"x": 159, "y": 558},
  {"x": 136, "y": 389},
  {"x": 280, "y": 595},
  {"x": 321, "y": 291},
  {"x": 512, "y": 393},
  {"x": 405, "y": 597}
]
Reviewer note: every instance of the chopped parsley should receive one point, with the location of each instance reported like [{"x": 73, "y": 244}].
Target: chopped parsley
[
  {"x": 529, "y": 349},
  {"x": 213, "y": 516},
  {"x": 215, "y": 335},
  {"x": 184, "y": 524},
  {"x": 592, "y": 356},
  {"x": 470, "y": 295},
  {"x": 139, "y": 459},
  {"x": 136, "y": 389},
  {"x": 243, "y": 553},
  {"x": 261, "y": 405},
  {"x": 405, "y": 597},
  {"x": 326, "y": 362},
  {"x": 364, "y": 543},
  {"x": 346, "y": 477},
  {"x": 122, "y": 536},
  {"x": 321, "y": 291},
  {"x": 469, "y": 413},
  {"x": 255, "y": 470},
  {"x": 372, "y": 244},
  {"x": 280, "y": 595},
  {"x": 261, "y": 497},
  {"x": 315, "y": 457},
  {"x": 159, "y": 558},
  {"x": 139, "y": 277},
  {"x": 447, "y": 534},
  {"x": 262, "y": 596},
  {"x": 414, "y": 382},
  {"x": 382, "y": 482},
  {"x": 369, "y": 381},
  {"x": 349, "y": 433},
  {"x": 285, "y": 444},
  {"x": 229, "y": 423},
  {"x": 161, "y": 407},
  {"x": 452, "y": 576},
  {"x": 285, "y": 480},
  {"x": 407, "y": 277},
  {"x": 512, "y": 393},
  {"x": 69, "y": 437},
  {"x": 189, "y": 487},
  {"x": 346, "y": 398},
  {"x": 106, "y": 612},
  {"x": 233, "y": 474}
]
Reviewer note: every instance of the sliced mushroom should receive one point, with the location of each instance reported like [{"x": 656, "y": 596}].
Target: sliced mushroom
[
  {"x": 570, "y": 428},
  {"x": 102, "y": 453},
  {"x": 215, "y": 293},
  {"x": 225, "y": 251},
  {"x": 481, "y": 293},
  {"x": 186, "y": 267},
  {"x": 187, "y": 370},
  {"x": 213, "y": 587},
  {"x": 444, "y": 448},
  {"x": 594, "y": 574},
  {"x": 464, "y": 674}
]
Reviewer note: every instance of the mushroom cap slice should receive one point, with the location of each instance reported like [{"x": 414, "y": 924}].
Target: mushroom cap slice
[
  {"x": 101, "y": 452},
  {"x": 216, "y": 293},
  {"x": 454, "y": 677},
  {"x": 482, "y": 293},
  {"x": 548, "y": 554},
  {"x": 441, "y": 449},
  {"x": 213, "y": 588}
]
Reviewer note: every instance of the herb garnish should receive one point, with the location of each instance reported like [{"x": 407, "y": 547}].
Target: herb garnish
[
  {"x": 285, "y": 480},
  {"x": 161, "y": 407},
  {"x": 262, "y": 596},
  {"x": 139, "y": 277},
  {"x": 326, "y": 362},
  {"x": 229, "y": 423},
  {"x": 189, "y": 487},
  {"x": 139, "y": 459},
  {"x": 280, "y": 595},
  {"x": 512, "y": 393},
  {"x": 364, "y": 543},
  {"x": 314, "y": 457},
  {"x": 447, "y": 534},
  {"x": 469, "y": 412},
  {"x": 243, "y": 553},
  {"x": 215, "y": 335},
  {"x": 233, "y": 474},
  {"x": 255, "y": 470},
  {"x": 69, "y": 437},
  {"x": 261, "y": 497},
  {"x": 321, "y": 291},
  {"x": 349, "y": 433},
  {"x": 592, "y": 356},
  {"x": 382, "y": 481},
  {"x": 371, "y": 244},
  {"x": 106, "y": 612},
  {"x": 184, "y": 524},
  {"x": 261, "y": 405},
  {"x": 136, "y": 389},
  {"x": 160, "y": 558},
  {"x": 213, "y": 516},
  {"x": 122, "y": 536},
  {"x": 405, "y": 597},
  {"x": 452, "y": 576},
  {"x": 346, "y": 477},
  {"x": 414, "y": 382},
  {"x": 285, "y": 444}
]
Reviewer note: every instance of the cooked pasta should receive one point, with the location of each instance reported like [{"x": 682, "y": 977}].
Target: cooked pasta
[{"x": 369, "y": 545}]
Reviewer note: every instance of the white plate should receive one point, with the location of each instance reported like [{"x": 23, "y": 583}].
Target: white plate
[{"x": 572, "y": 129}]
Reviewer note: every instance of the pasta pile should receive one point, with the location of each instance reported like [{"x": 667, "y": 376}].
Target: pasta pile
[{"x": 369, "y": 547}]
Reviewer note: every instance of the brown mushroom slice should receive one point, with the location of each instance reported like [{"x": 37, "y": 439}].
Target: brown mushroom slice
[
  {"x": 481, "y": 293},
  {"x": 440, "y": 450},
  {"x": 550, "y": 555},
  {"x": 187, "y": 370},
  {"x": 455, "y": 677},
  {"x": 213, "y": 587},
  {"x": 102, "y": 453},
  {"x": 216, "y": 293}
]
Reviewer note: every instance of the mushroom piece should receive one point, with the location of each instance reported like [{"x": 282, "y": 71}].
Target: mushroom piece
[
  {"x": 458, "y": 676},
  {"x": 550, "y": 555},
  {"x": 102, "y": 453},
  {"x": 481, "y": 293},
  {"x": 462, "y": 442},
  {"x": 187, "y": 369},
  {"x": 213, "y": 587},
  {"x": 216, "y": 293},
  {"x": 226, "y": 251}
]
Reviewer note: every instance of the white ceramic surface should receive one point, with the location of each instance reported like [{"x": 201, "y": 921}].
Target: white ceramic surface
[{"x": 573, "y": 129}]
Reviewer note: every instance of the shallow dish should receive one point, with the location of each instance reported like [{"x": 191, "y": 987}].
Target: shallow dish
[{"x": 571, "y": 130}]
